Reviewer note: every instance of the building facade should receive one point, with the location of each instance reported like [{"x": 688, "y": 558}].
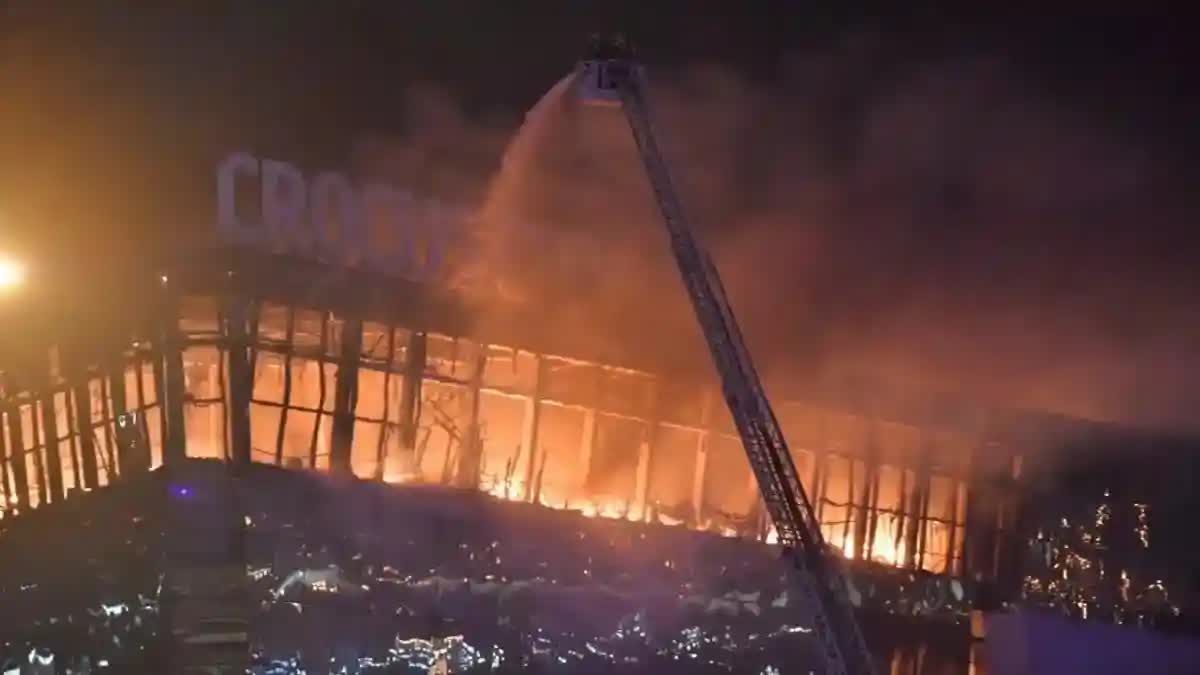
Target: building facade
[{"x": 259, "y": 358}]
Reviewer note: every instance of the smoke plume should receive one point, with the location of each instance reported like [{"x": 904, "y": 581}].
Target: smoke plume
[{"x": 940, "y": 227}]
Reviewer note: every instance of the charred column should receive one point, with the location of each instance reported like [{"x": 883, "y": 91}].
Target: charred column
[
  {"x": 314, "y": 441},
  {"x": 533, "y": 419},
  {"x": 175, "y": 447},
  {"x": 1010, "y": 528},
  {"x": 116, "y": 388},
  {"x": 4, "y": 462},
  {"x": 866, "y": 523},
  {"x": 82, "y": 401},
  {"x": 587, "y": 443},
  {"x": 472, "y": 444},
  {"x": 16, "y": 455},
  {"x": 410, "y": 391},
  {"x": 160, "y": 387},
  {"x": 914, "y": 531},
  {"x": 53, "y": 469},
  {"x": 287, "y": 383},
  {"x": 646, "y": 453},
  {"x": 701, "y": 459},
  {"x": 39, "y": 466},
  {"x": 241, "y": 379},
  {"x": 983, "y": 513},
  {"x": 345, "y": 396},
  {"x": 87, "y": 443},
  {"x": 381, "y": 451}
]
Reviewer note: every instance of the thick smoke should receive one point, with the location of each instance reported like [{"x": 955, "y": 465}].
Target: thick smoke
[{"x": 941, "y": 227}]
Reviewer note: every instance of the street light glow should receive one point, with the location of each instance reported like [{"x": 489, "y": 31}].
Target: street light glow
[{"x": 12, "y": 273}]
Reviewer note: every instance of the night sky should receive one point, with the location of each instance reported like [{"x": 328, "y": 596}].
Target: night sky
[{"x": 998, "y": 203}]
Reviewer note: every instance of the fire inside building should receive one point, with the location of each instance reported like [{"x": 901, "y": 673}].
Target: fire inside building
[
  {"x": 260, "y": 361},
  {"x": 283, "y": 465}
]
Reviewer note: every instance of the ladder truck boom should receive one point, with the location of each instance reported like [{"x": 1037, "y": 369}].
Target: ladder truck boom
[{"x": 613, "y": 79}]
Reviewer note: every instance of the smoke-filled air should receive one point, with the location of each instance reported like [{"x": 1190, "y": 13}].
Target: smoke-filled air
[{"x": 940, "y": 228}]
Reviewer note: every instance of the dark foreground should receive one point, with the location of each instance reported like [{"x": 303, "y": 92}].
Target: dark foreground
[{"x": 353, "y": 577}]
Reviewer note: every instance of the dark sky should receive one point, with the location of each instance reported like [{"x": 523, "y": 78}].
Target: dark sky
[
  {"x": 112, "y": 119},
  {"x": 115, "y": 101}
]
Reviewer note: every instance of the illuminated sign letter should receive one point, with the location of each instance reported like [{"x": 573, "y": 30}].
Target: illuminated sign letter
[
  {"x": 389, "y": 231},
  {"x": 233, "y": 229},
  {"x": 335, "y": 227},
  {"x": 283, "y": 207},
  {"x": 388, "y": 216},
  {"x": 440, "y": 228}
]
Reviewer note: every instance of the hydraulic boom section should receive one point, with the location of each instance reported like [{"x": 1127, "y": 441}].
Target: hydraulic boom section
[{"x": 612, "y": 78}]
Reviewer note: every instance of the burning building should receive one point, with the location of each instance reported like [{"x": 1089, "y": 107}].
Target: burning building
[
  {"x": 405, "y": 468},
  {"x": 409, "y": 399},
  {"x": 422, "y": 490},
  {"x": 267, "y": 360}
]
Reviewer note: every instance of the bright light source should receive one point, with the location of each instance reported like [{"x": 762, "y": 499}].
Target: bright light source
[{"x": 12, "y": 273}]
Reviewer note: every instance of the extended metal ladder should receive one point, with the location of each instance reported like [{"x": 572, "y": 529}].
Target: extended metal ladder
[{"x": 818, "y": 574}]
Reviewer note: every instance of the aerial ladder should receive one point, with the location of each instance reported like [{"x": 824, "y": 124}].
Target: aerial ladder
[{"x": 611, "y": 77}]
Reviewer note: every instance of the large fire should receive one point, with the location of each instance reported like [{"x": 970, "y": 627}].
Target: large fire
[
  {"x": 602, "y": 441},
  {"x": 609, "y": 443}
]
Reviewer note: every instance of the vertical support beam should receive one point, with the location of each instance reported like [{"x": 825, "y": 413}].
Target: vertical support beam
[
  {"x": 532, "y": 419},
  {"x": 1008, "y": 555},
  {"x": 587, "y": 445},
  {"x": 923, "y": 534},
  {"x": 345, "y": 396},
  {"x": 646, "y": 454},
  {"x": 902, "y": 519},
  {"x": 917, "y": 507},
  {"x": 160, "y": 388},
  {"x": 73, "y": 448},
  {"x": 820, "y": 471},
  {"x": 864, "y": 525},
  {"x": 106, "y": 414},
  {"x": 5, "y": 484},
  {"x": 641, "y": 477},
  {"x": 87, "y": 444},
  {"x": 979, "y": 540},
  {"x": 872, "y": 506},
  {"x": 701, "y": 458},
  {"x": 952, "y": 542},
  {"x": 758, "y": 509},
  {"x": 410, "y": 393},
  {"x": 39, "y": 467},
  {"x": 241, "y": 379},
  {"x": 175, "y": 448},
  {"x": 384, "y": 430},
  {"x": 16, "y": 454},
  {"x": 290, "y": 332},
  {"x": 469, "y": 466},
  {"x": 1009, "y": 526},
  {"x": 116, "y": 388},
  {"x": 146, "y": 458},
  {"x": 219, "y": 426},
  {"x": 175, "y": 437},
  {"x": 321, "y": 392},
  {"x": 53, "y": 468},
  {"x": 850, "y": 510}
]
